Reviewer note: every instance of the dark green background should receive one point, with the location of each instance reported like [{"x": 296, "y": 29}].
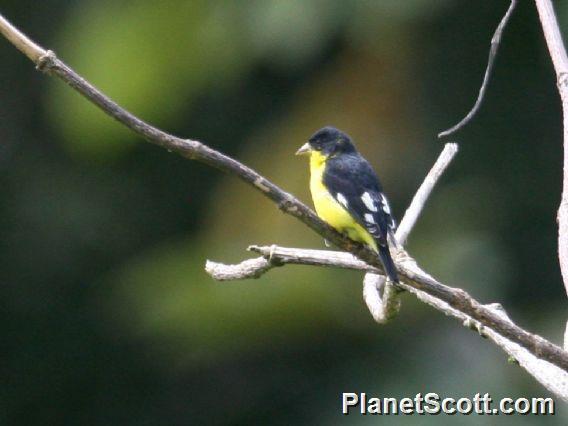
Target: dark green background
[{"x": 106, "y": 314}]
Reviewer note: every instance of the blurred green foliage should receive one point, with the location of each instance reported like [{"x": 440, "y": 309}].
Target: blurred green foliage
[{"x": 107, "y": 314}]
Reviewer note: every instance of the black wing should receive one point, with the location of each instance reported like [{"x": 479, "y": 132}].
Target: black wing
[{"x": 353, "y": 183}]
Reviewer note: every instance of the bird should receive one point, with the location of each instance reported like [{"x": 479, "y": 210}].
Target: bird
[{"x": 348, "y": 195}]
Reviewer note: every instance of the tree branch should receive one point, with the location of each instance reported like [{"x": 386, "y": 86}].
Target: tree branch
[
  {"x": 380, "y": 295},
  {"x": 417, "y": 205},
  {"x": 560, "y": 60},
  {"x": 410, "y": 275},
  {"x": 549, "y": 374},
  {"x": 274, "y": 256},
  {"x": 454, "y": 298},
  {"x": 495, "y": 42},
  {"x": 21, "y": 41}
]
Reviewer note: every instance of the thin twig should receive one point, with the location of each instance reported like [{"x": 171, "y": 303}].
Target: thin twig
[
  {"x": 21, "y": 41},
  {"x": 417, "y": 205},
  {"x": 455, "y": 298},
  {"x": 495, "y": 42}
]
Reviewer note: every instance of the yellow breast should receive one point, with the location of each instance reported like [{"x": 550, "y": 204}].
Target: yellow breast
[{"x": 329, "y": 209}]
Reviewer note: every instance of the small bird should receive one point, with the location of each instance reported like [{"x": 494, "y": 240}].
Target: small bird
[{"x": 347, "y": 193}]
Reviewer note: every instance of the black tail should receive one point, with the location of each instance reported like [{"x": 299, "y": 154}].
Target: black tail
[{"x": 388, "y": 264}]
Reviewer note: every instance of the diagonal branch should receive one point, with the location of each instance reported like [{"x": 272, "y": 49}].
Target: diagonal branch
[
  {"x": 495, "y": 42},
  {"x": 21, "y": 41},
  {"x": 549, "y": 374},
  {"x": 448, "y": 297},
  {"x": 380, "y": 295},
  {"x": 455, "y": 298},
  {"x": 417, "y": 205}
]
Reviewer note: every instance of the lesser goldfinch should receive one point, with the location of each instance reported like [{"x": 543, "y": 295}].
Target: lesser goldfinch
[{"x": 347, "y": 193}]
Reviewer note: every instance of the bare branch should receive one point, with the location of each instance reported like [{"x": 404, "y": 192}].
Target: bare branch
[
  {"x": 252, "y": 268},
  {"x": 553, "y": 36},
  {"x": 549, "y": 374},
  {"x": 21, "y": 41},
  {"x": 195, "y": 150},
  {"x": 381, "y": 297},
  {"x": 456, "y": 299},
  {"x": 495, "y": 41},
  {"x": 327, "y": 258},
  {"x": 560, "y": 61},
  {"x": 423, "y": 193}
]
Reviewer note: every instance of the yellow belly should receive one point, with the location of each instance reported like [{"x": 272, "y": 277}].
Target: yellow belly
[{"x": 330, "y": 210}]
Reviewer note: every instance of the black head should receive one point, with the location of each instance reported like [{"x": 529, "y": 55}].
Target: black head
[{"x": 331, "y": 141}]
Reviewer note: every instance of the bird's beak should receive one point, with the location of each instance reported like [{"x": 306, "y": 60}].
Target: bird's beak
[{"x": 304, "y": 149}]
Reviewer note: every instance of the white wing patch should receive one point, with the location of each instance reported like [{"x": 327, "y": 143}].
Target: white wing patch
[
  {"x": 385, "y": 203},
  {"x": 342, "y": 200},
  {"x": 368, "y": 201},
  {"x": 369, "y": 218}
]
